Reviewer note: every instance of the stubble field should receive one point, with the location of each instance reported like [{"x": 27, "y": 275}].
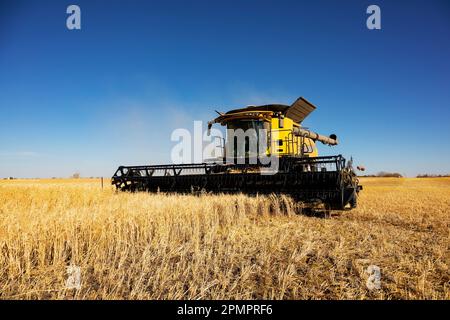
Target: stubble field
[{"x": 155, "y": 246}]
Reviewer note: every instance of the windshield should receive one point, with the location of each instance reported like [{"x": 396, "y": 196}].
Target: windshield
[{"x": 245, "y": 135}]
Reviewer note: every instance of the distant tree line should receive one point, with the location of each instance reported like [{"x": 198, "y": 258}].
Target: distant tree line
[
  {"x": 384, "y": 174},
  {"x": 398, "y": 175},
  {"x": 76, "y": 175},
  {"x": 427, "y": 175},
  {"x": 389, "y": 174}
]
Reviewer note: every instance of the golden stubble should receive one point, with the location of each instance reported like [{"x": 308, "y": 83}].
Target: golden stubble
[{"x": 158, "y": 246}]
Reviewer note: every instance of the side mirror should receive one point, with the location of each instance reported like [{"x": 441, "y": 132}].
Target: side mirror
[{"x": 209, "y": 129}]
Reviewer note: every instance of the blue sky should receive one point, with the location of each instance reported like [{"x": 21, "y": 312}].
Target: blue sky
[{"x": 111, "y": 93}]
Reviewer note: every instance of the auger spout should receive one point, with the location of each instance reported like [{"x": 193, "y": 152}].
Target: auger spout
[{"x": 331, "y": 140}]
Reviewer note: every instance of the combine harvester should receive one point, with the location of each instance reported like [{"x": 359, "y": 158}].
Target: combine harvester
[{"x": 300, "y": 172}]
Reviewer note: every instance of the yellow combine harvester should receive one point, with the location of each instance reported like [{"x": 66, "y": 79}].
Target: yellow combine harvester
[{"x": 254, "y": 135}]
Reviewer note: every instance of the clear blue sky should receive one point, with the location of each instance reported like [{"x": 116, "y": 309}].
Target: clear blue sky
[{"x": 111, "y": 93}]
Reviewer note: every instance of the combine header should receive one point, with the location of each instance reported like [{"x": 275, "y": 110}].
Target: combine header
[{"x": 276, "y": 130}]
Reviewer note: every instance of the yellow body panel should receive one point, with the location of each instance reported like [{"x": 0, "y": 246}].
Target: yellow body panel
[{"x": 285, "y": 143}]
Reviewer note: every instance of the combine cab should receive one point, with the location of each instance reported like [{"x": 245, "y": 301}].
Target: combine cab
[{"x": 274, "y": 131}]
